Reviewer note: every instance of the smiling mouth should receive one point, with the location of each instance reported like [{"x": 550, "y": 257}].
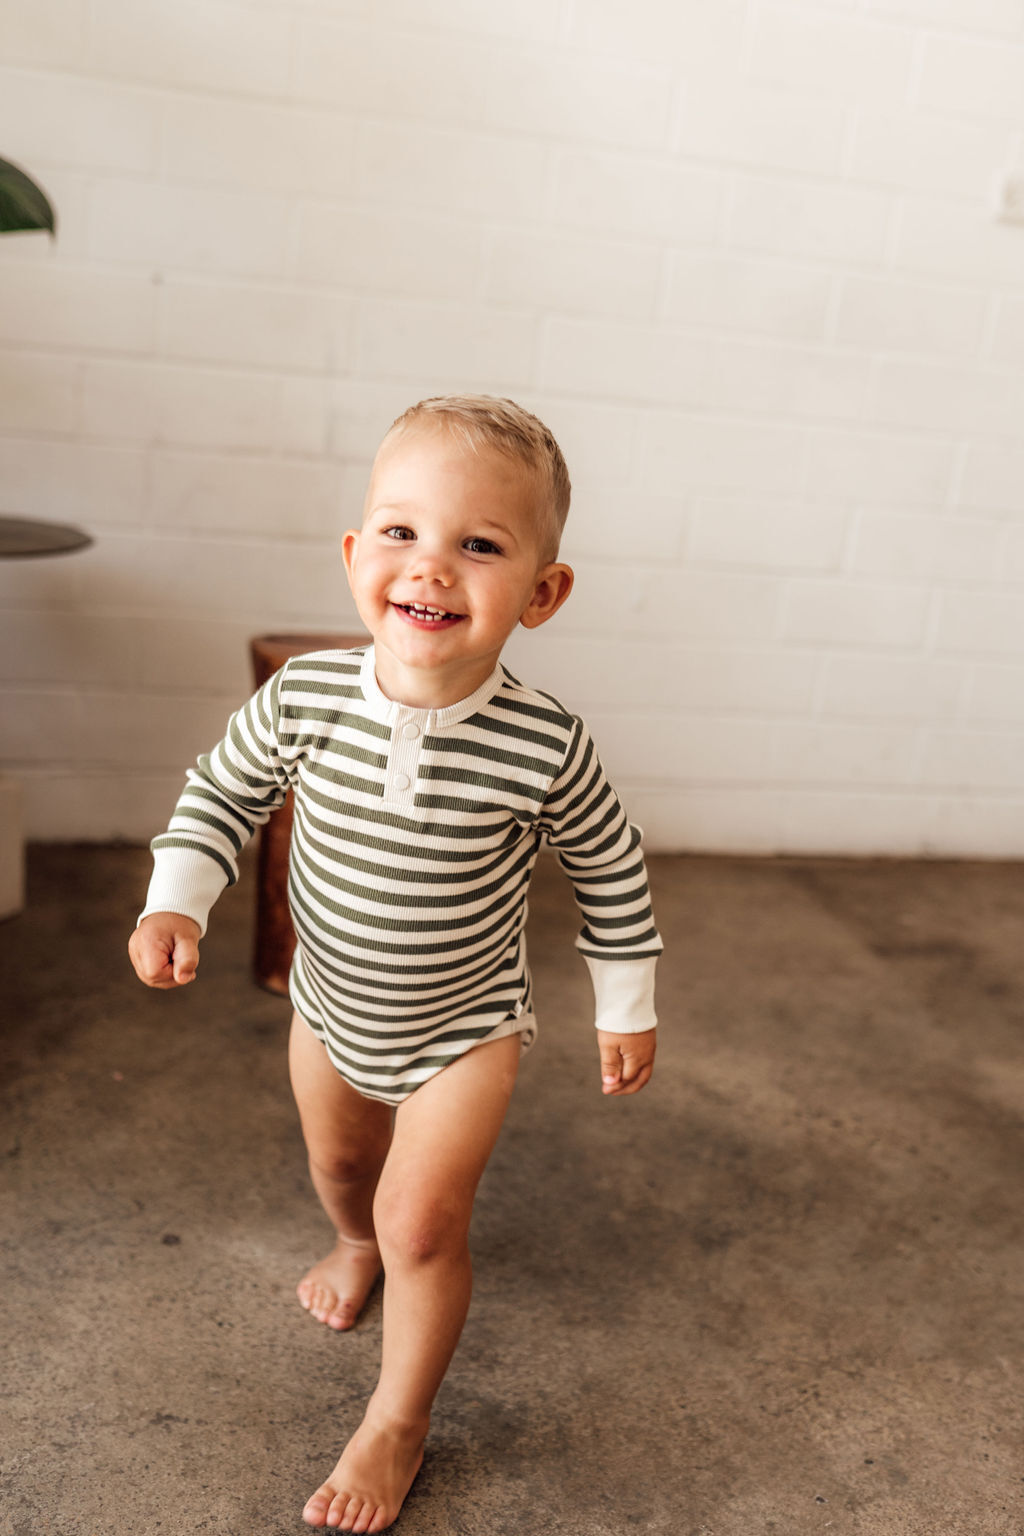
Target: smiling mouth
[{"x": 423, "y": 613}]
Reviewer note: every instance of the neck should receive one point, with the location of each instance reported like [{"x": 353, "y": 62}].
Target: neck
[{"x": 429, "y": 688}]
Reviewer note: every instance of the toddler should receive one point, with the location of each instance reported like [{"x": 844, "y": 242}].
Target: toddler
[{"x": 426, "y": 778}]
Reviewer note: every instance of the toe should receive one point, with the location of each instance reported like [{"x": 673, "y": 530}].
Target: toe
[
  {"x": 313, "y": 1298},
  {"x": 321, "y": 1303},
  {"x": 315, "y": 1512},
  {"x": 347, "y": 1509},
  {"x": 361, "y": 1524}
]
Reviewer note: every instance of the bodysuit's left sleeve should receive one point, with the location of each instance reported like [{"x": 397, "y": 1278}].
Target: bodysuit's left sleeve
[{"x": 585, "y": 823}]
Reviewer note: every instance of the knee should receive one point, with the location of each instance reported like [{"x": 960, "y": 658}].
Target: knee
[
  {"x": 415, "y": 1231},
  {"x": 343, "y": 1165}
]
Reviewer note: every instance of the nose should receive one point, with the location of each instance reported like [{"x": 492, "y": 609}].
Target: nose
[{"x": 431, "y": 562}]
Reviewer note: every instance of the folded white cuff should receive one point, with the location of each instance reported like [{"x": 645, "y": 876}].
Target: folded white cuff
[
  {"x": 184, "y": 882},
  {"x": 623, "y": 994}
]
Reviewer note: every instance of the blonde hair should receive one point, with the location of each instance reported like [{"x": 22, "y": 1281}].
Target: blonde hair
[{"x": 488, "y": 421}]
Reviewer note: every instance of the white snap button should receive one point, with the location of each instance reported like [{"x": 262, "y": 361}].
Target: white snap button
[
  {"x": 401, "y": 781},
  {"x": 410, "y": 730}
]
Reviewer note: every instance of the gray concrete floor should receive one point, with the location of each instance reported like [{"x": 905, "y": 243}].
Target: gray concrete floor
[{"x": 780, "y": 1291}]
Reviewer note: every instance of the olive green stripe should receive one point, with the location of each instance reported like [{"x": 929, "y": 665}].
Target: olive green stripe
[
  {"x": 217, "y": 823},
  {"x": 371, "y": 1061},
  {"x": 418, "y": 847},
  {"x": 513, "y": 729},
  {"x": 597, "y": 920},
  {"x": 343, "y": 780},
  {"x": 445, "y": 989},
  {"x": 474, "y": 897},
  {"x": 264, "y": 706},
  {"x": 599, "y": 812},
  {"x": 588, "y": 803},
  {"x": 311, "y": 686},
  {"x": 629, "y": 866},
  {"x": 198, "y": 790},
  {"x": 599, "y": 950},
  {"x": 557, "y": 715},
  {"x": 461, "y": 805},
  {"x": 333, "y": 747},
  {"x": 361, "y": 1057},
  {"x": 417, "y": 1025},
  {"x": 367, "y": 970},
  {"x": 296, "y": 725},
  {"x": 613, "y": 816},
  {"x": 361, "y": 921},
  {"x": 582, "y": 768},
  {"x": 452, "y": 776},
  {"x": 349, "y": 661},
  {"x": 479, "y": 751},
  {"x": 587, "y": 781},
  {"x": 258, "y": 784},
  {"x": 595, "y": 838},
  {"x": 492, "y": 819},
  {"x": 312, "y": 836},
  {"x": 237, "y": 739},
  {"x": 618, "y": 898}
]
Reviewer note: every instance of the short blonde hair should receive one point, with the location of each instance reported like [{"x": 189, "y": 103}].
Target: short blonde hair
[{"x": 492, "y": 422}]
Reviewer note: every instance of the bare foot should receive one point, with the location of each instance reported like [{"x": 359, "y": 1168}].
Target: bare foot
[
  {"x": 368, "y": 1486},
  {"x": 335, "y": 1290}
]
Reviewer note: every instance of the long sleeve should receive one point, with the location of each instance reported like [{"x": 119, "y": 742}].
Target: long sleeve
[
  {"x": 586, "y": 824},
  {"x": 231, "y": 791}
]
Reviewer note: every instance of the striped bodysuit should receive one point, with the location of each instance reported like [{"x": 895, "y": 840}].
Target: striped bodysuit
[{"x": 415, "y": 835}]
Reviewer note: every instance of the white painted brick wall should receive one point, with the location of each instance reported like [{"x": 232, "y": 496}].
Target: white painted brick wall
[
  {"x": 1008, "y": 332},
  {"x": 961, "y": 74},
  {"x": 742, "y": 257},
  {"x": 259, "y": 146},
  {"x": 813, "y": 50},
  {"x": 261, "y": 327},
  {"x": 218, "y": 45},
  {"x": 881, "y": 314},
  {"x": 728, "y": 294}
]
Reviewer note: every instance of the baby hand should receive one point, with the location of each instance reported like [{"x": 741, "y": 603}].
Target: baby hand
[
  {"x": 627, "y": 1061},
  {"x": 164, "y": 949}
]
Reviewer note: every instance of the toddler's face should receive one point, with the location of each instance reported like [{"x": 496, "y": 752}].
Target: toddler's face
[{"x": 447, "y": 563}]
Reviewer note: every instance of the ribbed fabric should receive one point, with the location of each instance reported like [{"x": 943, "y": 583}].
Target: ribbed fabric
[{"x": 415, "y": 835}]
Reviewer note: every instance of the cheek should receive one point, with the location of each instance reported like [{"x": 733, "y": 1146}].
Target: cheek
[
  {"x": 368, "y": 570},
  {"x": 509, "y": 601}
]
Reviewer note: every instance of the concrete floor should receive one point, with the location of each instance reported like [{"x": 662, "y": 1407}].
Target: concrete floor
[{"x": 781, "y": 1291}]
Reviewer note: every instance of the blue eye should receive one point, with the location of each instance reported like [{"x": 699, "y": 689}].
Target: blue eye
[{"x": 482, "y": 547}]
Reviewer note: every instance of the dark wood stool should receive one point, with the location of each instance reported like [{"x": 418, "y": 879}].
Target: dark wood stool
[{"x": 274, "y": 942}]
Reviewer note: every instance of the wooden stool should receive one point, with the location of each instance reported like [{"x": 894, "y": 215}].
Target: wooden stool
[{"x": 274, "y": 942}]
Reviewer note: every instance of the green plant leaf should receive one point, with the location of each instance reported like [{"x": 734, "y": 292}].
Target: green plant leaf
[{"x": 23, "y": 205}]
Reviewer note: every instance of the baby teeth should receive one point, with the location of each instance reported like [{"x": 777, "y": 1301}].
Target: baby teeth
[{"x": 423, "y": 611}]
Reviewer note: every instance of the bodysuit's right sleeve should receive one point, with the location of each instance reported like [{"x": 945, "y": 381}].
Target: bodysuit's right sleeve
[
  {"x": 585, "y": 823},
  {"x": 231, "y": 791}
]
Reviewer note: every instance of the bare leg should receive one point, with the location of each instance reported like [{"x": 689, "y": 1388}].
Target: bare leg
[
  {"x": 347, "y": 1138},
  {"x": 444, "y": 1135}
]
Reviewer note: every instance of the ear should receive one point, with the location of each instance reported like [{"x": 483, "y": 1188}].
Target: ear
[
  {"x": 553, "y": 585},
  {"x": 349, "y": 546}
]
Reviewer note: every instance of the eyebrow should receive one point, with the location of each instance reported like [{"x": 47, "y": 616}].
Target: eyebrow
[{"x": 503, "y": 530}]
